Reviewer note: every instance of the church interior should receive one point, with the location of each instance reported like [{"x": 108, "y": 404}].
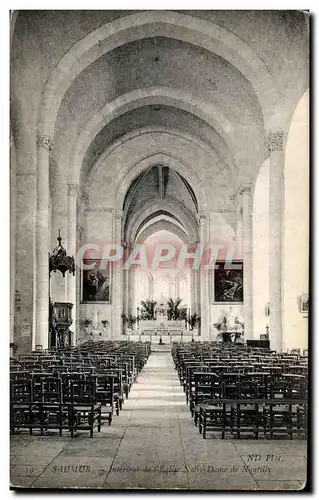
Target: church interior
[{"x": 148, "y": 149}]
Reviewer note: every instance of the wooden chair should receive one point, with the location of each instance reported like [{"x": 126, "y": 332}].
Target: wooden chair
[
  {"x": 105, "y": 395},
  {"x": 216, "y": 414},
  {"x": 206, "y": 384},
  {"x": 20, "y": 405},
  {"x": 84, "y": 411},
  {"x": 247, "y": 413},
  {"x": 48, "y": 409}
]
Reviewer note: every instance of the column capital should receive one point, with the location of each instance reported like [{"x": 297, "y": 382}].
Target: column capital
[
  {"x": 44, "y": 142},
  {"x": 72, "y": 190},
  {"x": 233, "y": 196},
  {"x": 85, "y": 197},
  {"x": 244, "y": 187},
  {"x": 193, "y": 244},
  {"x": 202, "y": 216},
  {"x": 275, "y": 141}
]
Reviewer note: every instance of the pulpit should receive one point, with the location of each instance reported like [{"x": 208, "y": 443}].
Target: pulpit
[
  {"x": 60, "y": 313},
  {"x": 62, "y": 316}
]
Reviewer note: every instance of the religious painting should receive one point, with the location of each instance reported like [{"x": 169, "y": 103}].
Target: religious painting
[
  {"x": 229, "y": 282},
  {"x": 304, "y": 303},
  {"x": 96, "y": 281}
]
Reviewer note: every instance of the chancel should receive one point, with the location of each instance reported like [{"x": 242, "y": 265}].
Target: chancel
[{"x": 159, "y": 248}]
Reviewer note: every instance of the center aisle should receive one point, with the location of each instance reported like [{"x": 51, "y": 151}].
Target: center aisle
[{"x": 161, "y": 446}]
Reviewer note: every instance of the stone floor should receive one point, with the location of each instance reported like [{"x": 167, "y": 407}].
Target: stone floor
[{"x": 154, "y": 444}]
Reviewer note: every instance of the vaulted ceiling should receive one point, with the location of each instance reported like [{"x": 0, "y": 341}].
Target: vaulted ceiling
[
  {"x": 213, "y": 75},
  {"x": 162, "y": 188}
]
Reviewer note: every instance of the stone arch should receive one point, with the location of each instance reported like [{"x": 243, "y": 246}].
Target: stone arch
[
  {"x": 170, "y": 205},
  {"x": 169, "y": 160},
  {"x": 175, "y": 25},
  {"x": 150, "y": 95},
  {"x": 161, "y": 225},
  {"x": 128, "y": 172}
]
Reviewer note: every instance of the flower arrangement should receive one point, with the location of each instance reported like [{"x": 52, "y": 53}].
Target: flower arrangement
[
  {"x": 87, "y": 322},
  {"x": 193, "y": 320},
  {"x": 130, "y": 320}
]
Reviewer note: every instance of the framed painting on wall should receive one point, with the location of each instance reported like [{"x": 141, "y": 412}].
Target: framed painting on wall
[
  {"x": 228, "y": 283},
  {"x": 96, "y": 281},
  {"x": 304, "y": 301}
]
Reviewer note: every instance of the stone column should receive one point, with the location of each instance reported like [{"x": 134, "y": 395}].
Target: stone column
[
  {"x": 126, "y": 282},
  {"x": 173, "y": 288},
  {"x": 246, "y": 191},
  {"x": 151, "y": 286},
  {"x": 177, "y": 282},
  {"x": 189, "y": 290},
  {"x": 41, "y": 337},
  {"x": 117, "y": 280},
  {"x": 239, "y": 224},
  {"x": 131, "y": 276},
  {"x": 276, "y": 187},
  {"x": 194, "y": 291},
  {"x": 71, "y": 248},
  {"x": 13, "y": 228},
  {"x": 203, "y": 275},
  {"x": 23, "y": 257},
  {"x": 77, "y": 316}
]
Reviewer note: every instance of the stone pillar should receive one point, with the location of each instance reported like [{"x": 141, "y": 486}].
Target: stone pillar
[
  {"x": 151, "y": 286},
  {"x": 41, "y": 336},
  {"x": 13, "y": 228},
  {"x": 189, "y": 290},
  {"x": 71, "y": 248},
  {"x": 194, "y": 289},
  {"x": 276, "y": 186},
  {"x": 126, "y": 281},
  {"x": 203, "y": 275},
  {"x": 117, "y": 280},
  {"x": 77, "y": 316},
  {"x": 239, "y": 225},
  {"x": 131, "y": 289},
  {"x": 23, "y": 213},
  {"x": 173, "y": 289},
  {"x": 246, "y": 191}
]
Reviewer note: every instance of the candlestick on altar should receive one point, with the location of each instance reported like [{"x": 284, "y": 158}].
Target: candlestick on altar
[{"x": 138, "y": 318}]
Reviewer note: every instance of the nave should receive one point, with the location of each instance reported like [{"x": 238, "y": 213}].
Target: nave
[{"x": 153, "y": 443}]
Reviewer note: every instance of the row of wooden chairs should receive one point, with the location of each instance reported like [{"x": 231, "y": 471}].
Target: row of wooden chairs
[
  {"x": 205, "y": 384},
  {"x": 256, "y": 417},
  {"x": 237, "y": 390},
  {"x": 50, "y": 408},
  {"x": 73, "y": 389}
]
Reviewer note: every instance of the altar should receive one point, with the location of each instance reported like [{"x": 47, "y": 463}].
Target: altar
[
  {"x": 161, "y": 329},
  {"x": 166, "y": 337},
  {"x": 161, "y": 323}
]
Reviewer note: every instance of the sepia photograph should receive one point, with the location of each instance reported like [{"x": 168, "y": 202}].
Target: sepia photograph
[{"x": 146, "y": 146}]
